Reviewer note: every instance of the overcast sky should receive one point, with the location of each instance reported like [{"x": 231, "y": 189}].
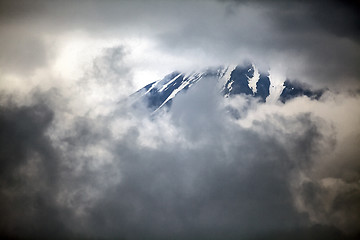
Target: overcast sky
[
  {"x": 77, "y": 161},
  {"x": 316, "y": 42}
]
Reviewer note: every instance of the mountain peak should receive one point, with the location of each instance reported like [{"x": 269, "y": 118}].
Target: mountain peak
[{"x": 232, "y": 80}]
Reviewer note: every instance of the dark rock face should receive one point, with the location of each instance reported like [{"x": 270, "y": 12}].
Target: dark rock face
[
  {"x": 239, "y": 81},
  {"x": 157, "y": 96},
  {"x": 263, "y": 87},
  {"x": 296, "y": 89}
]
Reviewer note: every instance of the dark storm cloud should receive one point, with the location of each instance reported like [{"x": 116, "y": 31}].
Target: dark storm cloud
[
  {"x": 235, "y": 187},
  {"x": 317, "y": 42},
  {"x": 338, "y": 17},
  {"x": 313, "y": 41},
  {"x": 21, "y": 132},
  {"x": 325, "y": 33},
  {"x": 29, "y": 174},
  {"x": 213, "y": 179}
]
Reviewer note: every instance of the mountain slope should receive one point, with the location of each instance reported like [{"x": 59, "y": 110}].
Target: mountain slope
[{"x": 232, "y": 80}]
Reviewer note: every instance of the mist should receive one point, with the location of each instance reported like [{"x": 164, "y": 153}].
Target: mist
[{"x": 80, "y": 161}]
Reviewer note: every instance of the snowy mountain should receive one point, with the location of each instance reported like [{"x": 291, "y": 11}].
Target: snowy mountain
[{"x": 232, "y": 80}]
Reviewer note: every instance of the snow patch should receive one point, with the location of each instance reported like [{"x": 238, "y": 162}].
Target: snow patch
[
  {"x": 169, "y": 82},
  {"x": 254, "y": 79},
  {"x": 276, "y": 86}
]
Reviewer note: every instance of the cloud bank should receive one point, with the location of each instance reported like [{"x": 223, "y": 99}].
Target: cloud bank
[{"x": 193, "y": 172}]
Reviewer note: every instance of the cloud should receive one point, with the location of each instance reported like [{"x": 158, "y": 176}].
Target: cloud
[
  {"x": 29, "y": 173},
  {"x": 192, "y": 172},
  {"x": 313, "y": 42},
  {"x": 22, "y": 52},
  {"x": 78, "y": 161}
]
